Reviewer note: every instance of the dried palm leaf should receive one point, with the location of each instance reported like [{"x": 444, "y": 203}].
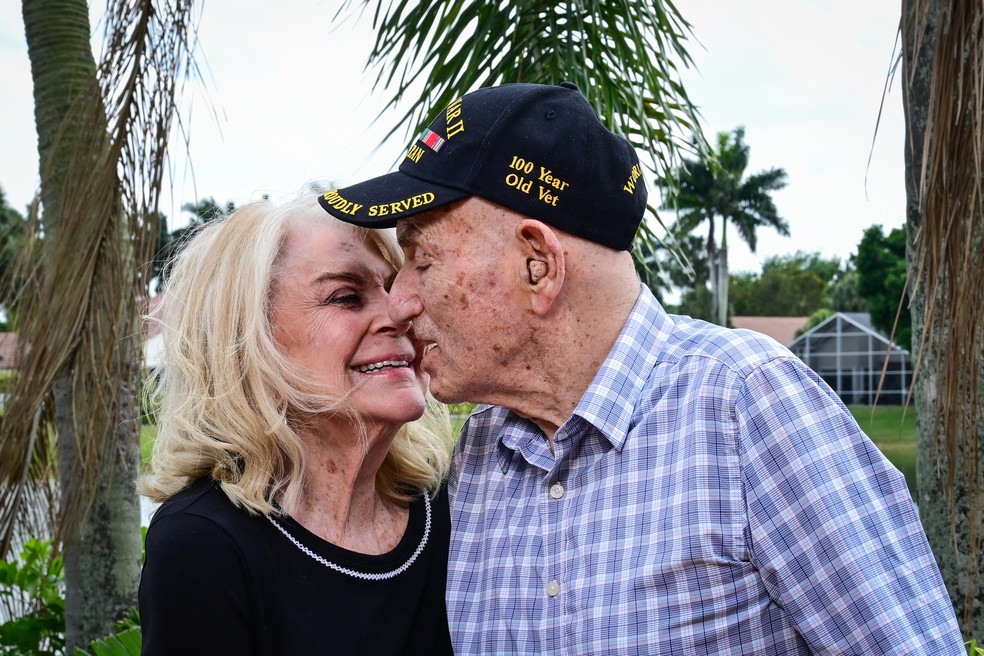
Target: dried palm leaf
[
  {"x": 943, "y": 43},
  {"x": 79, "y": 313}
]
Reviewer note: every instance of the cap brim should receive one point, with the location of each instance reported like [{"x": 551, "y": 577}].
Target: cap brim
[{"x": 382, "y": 201}]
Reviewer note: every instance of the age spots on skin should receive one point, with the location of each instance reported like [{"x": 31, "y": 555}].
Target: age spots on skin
[{"x": 464, "y": 290}]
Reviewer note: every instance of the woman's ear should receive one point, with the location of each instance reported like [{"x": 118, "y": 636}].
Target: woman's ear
[{"x": 542, "y": 269}]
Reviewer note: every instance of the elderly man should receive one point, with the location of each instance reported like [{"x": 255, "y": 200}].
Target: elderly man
[{"x": 640, "y": 482}]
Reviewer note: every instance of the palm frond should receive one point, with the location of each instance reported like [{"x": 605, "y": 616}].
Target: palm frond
[{"x": 624, "y": 56}]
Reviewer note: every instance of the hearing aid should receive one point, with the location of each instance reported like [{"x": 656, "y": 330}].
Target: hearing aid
[{"x": 537, "y": 270}]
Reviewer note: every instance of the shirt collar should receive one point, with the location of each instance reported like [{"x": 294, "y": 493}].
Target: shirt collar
[
  {"x": 610, "y": 400},
  {"x": 613, "y": 395}
]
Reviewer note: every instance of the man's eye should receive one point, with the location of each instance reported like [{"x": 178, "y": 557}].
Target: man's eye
[{"x": 420, "y": 260}]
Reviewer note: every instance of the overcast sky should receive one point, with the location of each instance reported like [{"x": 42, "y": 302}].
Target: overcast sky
[{"x": 288, "y": 101}]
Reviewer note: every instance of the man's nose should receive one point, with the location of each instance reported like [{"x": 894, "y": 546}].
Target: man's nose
[
  {"x": 404, "y": 302},
  {"x": 384, "y": 323}
]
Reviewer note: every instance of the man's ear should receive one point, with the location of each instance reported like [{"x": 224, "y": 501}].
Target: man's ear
[{"x": 541, "y": 270}]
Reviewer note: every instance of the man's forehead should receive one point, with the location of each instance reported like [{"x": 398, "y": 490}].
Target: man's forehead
[{"x": 410, "y": 230}]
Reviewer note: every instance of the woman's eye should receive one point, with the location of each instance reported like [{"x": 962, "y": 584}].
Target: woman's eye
[{"x": 346, "y": 300}]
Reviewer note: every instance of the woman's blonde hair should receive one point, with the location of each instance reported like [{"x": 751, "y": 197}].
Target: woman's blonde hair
[{"x": 226, "y": 393}]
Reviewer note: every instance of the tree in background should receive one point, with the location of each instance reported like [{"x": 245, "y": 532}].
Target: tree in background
[
  {"x": 205, "y": 210},
  {"x": 621, "y": 55},
  {"x": 169, "y": 244},
  {"x": 881, "y": 278},
  {"x": 11, "y": 239},
  {"x": 814, "y": 320},
  {"x": 842, "y": 293},
  {"x": 788, "y": 286},
  {"x": 696, "y": 302},
  {"x": 102, "y": 135},
  {"x": 678, "y": 261},
  {"x": 715, "y": 187},
  {"x": 687, "y": 269},
  {"x": 942, "y": 68}
]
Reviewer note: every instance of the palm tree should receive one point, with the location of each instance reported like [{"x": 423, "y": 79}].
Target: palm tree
[
  {"x": 622, "y": 55},
  {"x": 102, "y": 134},
  {"x": 943, "y": 65},
  {"x": 169, "y": 244},
  {"x": 713, "y": 187},
  {"x": 679, "y": 262}
]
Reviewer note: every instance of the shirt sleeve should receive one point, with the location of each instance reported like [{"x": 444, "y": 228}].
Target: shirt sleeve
[
  {"x": 193, "y": 594},
  {"x": 831, "y": 526}
]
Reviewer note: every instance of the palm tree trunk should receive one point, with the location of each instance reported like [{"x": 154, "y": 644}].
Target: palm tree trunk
[
  {"x": 721, "y": 274},
  {"x": 722, "y": 271},
  {"x": 102, "y": 553},
  {"x": 101, "y": 540},
  {"x": 712, "y": 264},
  {"x": 944, "y": 303}
]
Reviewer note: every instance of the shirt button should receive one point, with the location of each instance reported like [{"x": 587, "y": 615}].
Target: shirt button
[
  {"x": 556, "y": 490},
  {"x": 553, "y": 588}
]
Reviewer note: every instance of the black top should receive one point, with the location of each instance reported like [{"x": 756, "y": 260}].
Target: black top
[{"x": 218, "y": 580}]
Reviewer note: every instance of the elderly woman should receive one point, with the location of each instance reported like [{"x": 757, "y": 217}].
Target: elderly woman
[{"x": 303, "y": 505}]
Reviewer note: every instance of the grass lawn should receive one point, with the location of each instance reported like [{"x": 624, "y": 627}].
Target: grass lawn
[
  {"x": 887, "y": 423},
  {"x": 147, "y": 436},
  {"x": 894, "y": 432}
]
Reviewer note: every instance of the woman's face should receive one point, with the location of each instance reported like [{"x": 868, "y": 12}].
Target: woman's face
[{"x": 329, "y": 318}]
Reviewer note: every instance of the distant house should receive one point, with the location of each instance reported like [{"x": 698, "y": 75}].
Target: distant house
[
  {"x": 9, "y": 351},
  {"x": 781, "y": 329},
  {"x": 850, "y": 355}
]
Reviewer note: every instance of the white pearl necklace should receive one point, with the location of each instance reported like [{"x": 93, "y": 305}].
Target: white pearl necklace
[{"x": 382, "y": 576}]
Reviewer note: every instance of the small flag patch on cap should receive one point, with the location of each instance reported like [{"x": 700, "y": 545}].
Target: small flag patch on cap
[{"x": 431, "y": 139}]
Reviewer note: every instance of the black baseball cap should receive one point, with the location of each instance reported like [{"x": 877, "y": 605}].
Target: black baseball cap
[{"x": 539, "y": 150}]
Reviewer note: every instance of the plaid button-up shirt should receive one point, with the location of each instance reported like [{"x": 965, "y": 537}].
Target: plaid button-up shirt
[{"x": 710, "y": 495}]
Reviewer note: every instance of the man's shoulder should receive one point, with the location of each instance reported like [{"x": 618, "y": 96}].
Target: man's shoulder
[
  {"x": 653, "y": 337},
  {"x": 741, "y": 350}
]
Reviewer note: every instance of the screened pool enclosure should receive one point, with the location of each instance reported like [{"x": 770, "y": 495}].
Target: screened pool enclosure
[{"x": 848, "y": 353}]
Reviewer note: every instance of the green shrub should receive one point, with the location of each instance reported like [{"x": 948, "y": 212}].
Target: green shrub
[
  {"x": 126, "y": 641},
  {"x": 6, "y": 384},
  {"x": 6, "y": 380},
  {"x": 34, "y": 581}
]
